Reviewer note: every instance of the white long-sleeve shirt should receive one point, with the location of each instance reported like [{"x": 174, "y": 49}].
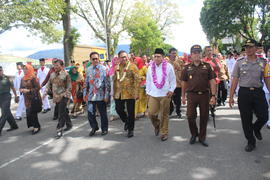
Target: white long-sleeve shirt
[
  {"x": 170, "y": 82},
  {"x": 41, "y": 75},
  {"x": 230, "y": 64},
  {"x": 17, "y": 80}
]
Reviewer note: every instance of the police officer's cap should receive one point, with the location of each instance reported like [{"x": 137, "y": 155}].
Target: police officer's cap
[
  {"x": 195, "y": 48},
  {"x": 251, "y": 43},
  {"x": 159, "y": 51}
]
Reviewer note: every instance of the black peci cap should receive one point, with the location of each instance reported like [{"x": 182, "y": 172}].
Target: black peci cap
[{"x": 159, "y": 51}]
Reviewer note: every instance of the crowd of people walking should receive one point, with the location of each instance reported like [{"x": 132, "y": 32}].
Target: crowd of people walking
[{"x": 135, "y": 87}]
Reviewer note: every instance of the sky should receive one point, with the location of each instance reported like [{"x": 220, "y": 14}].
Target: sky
[{"x": 19, "y": 42}]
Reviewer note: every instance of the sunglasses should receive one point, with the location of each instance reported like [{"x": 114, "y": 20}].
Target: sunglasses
[{"x": 95, "y": 59}]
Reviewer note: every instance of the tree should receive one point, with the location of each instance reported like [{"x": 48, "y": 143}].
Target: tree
[
  {"x": 38, "y": 16},
  {"x": 105, "y": 18},
  {"x": 248, "y": 18},
  {"x": 145, "y": 30},
  {"x": 165, "y": 13}
]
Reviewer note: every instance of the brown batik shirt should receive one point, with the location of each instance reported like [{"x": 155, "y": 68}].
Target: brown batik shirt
[{"x": 60, "y": 84}]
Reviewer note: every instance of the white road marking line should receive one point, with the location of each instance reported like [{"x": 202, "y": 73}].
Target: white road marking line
[{"x": 38, "y": 147}]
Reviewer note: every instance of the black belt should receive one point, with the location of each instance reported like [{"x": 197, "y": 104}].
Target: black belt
[
  {"x": 251, "y": 88},
  {"x": 198, "y": 92}
]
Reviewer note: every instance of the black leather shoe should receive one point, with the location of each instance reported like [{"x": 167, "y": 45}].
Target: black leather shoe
[
  {"x": 103, "y": 133},
  {"x": 179, "y": 116},
  {"x": 59, "y": 134},
  {"x": 55, "y": 118},
  {"x": 192, "y": 140},
  {"x": 68, "y": 128},
  {"x": 204, "y": 143},
  {"x": 249, "y": 148},
  {"x": 258, "y": 135},
  {"x": 268, "y": 126},
  {"x": 126, "y": 127},
  {"x": 157, "y": 131},
  {"x": 130, "y": 134},
  {"x": 46, "y": 110},
  {"x": 12, "y": 129},
  {"x": 93, "y": 131},
  {"x": 35, "y": 131}
]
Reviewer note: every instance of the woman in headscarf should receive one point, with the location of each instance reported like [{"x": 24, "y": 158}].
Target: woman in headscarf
[
  {"x": 30, "y": 89},
  {"x": 141, "y": 103},
  {"x": 113, "y": 114},
  {"x": 76, "y": 91}
]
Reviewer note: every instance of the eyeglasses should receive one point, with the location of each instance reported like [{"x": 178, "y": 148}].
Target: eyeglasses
[{"x": 95, "y": 59}]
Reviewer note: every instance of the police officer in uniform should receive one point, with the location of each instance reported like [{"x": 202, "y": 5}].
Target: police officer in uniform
[
  {"x": 249, "y": 72},
  {"x": 198, "y": 81},
  {"x": 5, "y": 99}
]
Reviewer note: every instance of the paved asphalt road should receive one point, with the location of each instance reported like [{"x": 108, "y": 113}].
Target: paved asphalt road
[{"x": 77, "y": 156}]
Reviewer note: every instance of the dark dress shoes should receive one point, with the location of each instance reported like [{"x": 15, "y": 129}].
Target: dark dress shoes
[
  {"x": 249, "y": 148},
  {"x": 130, "y": 134},
  {"x": 55, "y": 118},
  {"x": 12, "y": 129},
  {"x": 164, "y": 137},
  {"x": 93, "y": 131},
  {"x": 192, "y": 140},
  {"x": 204, "y": 143},
  {"x": 258, "y": 135},
  {"x": 103, "y": 133},
  {"x": 35, "y": 131},
  {"x": 59, "y": 134},
  {"x": 68, "y": 128},
  {"x": 268, "y": 126}
]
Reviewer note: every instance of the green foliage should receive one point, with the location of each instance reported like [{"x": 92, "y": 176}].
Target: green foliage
[
  {"x": 38, "y": 16},
  {"x": 144, "y": 31},
  {"x": 247, "y": 18}
]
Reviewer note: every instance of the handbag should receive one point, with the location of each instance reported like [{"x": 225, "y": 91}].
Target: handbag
[
  {"x": 36, "y": 102},
  {"x": 79, "y": 94}
]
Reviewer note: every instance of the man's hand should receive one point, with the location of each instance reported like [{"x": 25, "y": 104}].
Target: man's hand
[
  {"x": 169, "y": 94},
  {"x": 136, "y": 97},
  {"x": 106, "y": 100},
  {"x": 17, "y": 99},
  {"x": 184, "y": 101},
  {"x": 85, "y": 98},
  {"x": 231, "y": 102},
  {"x": 212, "y": 100}
]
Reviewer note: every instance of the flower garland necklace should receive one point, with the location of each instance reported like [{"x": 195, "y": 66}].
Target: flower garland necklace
[
  {"x": 164, "y": 74},
  {"x": 125, "y": 72}
]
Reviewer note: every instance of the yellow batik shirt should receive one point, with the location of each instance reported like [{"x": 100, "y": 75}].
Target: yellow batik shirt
[{"x": 129, "y": 87}]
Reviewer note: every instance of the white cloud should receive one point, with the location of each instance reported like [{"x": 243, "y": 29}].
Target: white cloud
[{"x": 19, "y": 41}]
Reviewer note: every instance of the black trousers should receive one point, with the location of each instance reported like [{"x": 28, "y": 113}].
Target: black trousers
[
  {"x": 5, "y": 100},
  {"x": 129, "y": 117},
  {"x": 176, "y": 99},
  {"x": 55, "y": 113},
  {"x": 222, "y": 92},
  {"x": 249, "y": 102},
  {"x": 102, "y": 108},
  {"x": 32, "y": 118},
  {"x": 63, "y": 117}
]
